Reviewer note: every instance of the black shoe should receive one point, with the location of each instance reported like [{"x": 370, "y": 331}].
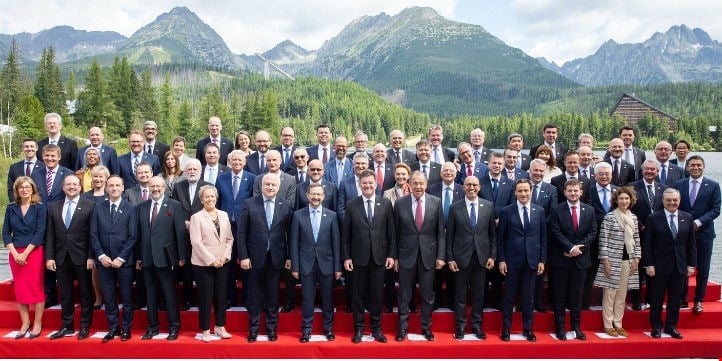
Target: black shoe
[
  {"x": 530, "y": 336},
  {"x": 305, "y": 337},
  {"x": 561, "y": 335},
  {"x": 49, "y": 304},
  {"x": 83, "y": 334},
  {"x": 656, "y": 333},
  {"x": 172, "y": 335},
  {"x": 479, "y": 333},
  {"x": 684, "y": 304},
  {"x": 674, "y": 333},
  {"x": 378, "y": 336},
  {"x": 228, "y": 305},
  {"x": 413, "y": 308},
  {"x": 540, "y": 309},
  {"x": 389, "y": 309},
  {"x": 125, "y": 335},
  {"x": 22, "y": 333},
  {"x": 34, "y": 335},
  {"x": 428, "y": 335},
  {"x": 111, "y": 335},
  {"x": 637, "y": 306},
  {"x": 272, "y": 335},
  {"x": 186, "y": 306},
  {"x": 459, "y": 334},
  {"x": 62, "y": 333},
  {"x": 579, "y": 334},
  {"x": 139, "y": 306},
  {"x": 506, "y": 335},
  {"x": 330, "y": 335},
  {"x": 698, "y": 308},
  {"x": 149, "y": 334},
  {"x": 401, "y": 335},
  {"x": 357, "y": 335},
  {"x": 287, "y": 308},
  {"x": 252, "y": 337},
  {"x": 97, "y": 307}
]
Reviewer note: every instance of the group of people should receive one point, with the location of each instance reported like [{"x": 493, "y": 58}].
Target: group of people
[{"x": 492, "y": 224}]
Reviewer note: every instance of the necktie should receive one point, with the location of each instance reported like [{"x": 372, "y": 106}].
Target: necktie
[
  {"x": 535, "y": 195},
  {"x": 369, "y": 211},
  {"x": 52, "y": 142},
  {"x": 68, "y": 213},
  {"x": 269, "y": 213},
  {"x": 211, "y": 175},
  {"x": 692, "y": 193},
  {"x": 339, "y": 174},
  {"x": 628, "y": 156},
  {"x": 426, "y": 171},
  {"x": 605, "y": 200},
  {"x": 113, "y": 212},
  {"x": 145, "y": 194},
  {"x": 136, "y": 160},
  {"x": 615, "y": 173},
  {"x": 510, "y": 174},
  {"x": 663, "y": 176},
  {"x": 49, "y": 181},
  {"x": 437, "y": 159},
  {"x": 472, "y": 217},
  {"x": 379, "y": 176},
  {"x": 575, "y": 218},
  {"x": 262, "y": 163},
  {"x": 518, "y": 161},
  {"x": 301, "y": 177},
  {"x": 419, "y": 215},
  {"x": 314, "y": 224},
  {"x": 150, "y": 149},
  {"x": 573, "y": 177},
  {"x": 650, "y": 198},
  {"x": 398, "y": 157},
  {"x": 28, "y": 169},
  {"x": 584, "y": 173},
  {"x": 325, "y": 155},
  {"x": 287, "y": 156},
  {"x": 672, "y": 225},
  {"x": 447, "y": 202},
  {"x": 468, "y": 170},
  {"x": 476, "y": 156},
  {"x": 495, "y": 187},
  {"x": 526, "y": 218},
  {"x": 236, "y": 180},
  {"x": 215, "y": 141},
  {"x": 154, "y": 215}
]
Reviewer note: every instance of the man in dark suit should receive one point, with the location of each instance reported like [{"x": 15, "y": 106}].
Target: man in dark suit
[
  {"x": 431, "y": 169},
  {"x": 586, "y": 162},
  {"x": 315, "y": 176},
  {"x": 350, "y": 188},
  {"x": 631, "y": 154},
  {"x": 141, "y": 192},
  {"x": 25, "y": 167},
  {"x": 573, "y": 229},
  {"x": 322, "y": 150},
  {"x": 68, "y": 147},
  {"x": 470, "y": 252},
  {"x": 511, "y": 172},
  {"x": 300, "y": 166},
  {"x": 68, "y": 254},
  {"x": 468, "y": 165},
  {"x": 129, "y": 161},
  {"x": 480, "y": 153},
  {"x": 383, "y": 170},
  {"x": 315, "y": 251},
  {"x": 397, "y": 153},
  {"x": 701, "y": 199},
  {"x": 550, "y": 133},
  {"x": 186, "y": 193},
  {"x": 544, "y": 195},
  {"x": 521, "y": 252},
  {"x": 224, "y": 144},
  {"x": 368, "y": 246},
  {"x": 212, "y": 168},
  {"x": 421, "y": 242},
  {"x": 438, "y": 153},
  {"x": 669, "y": 173},
  {"x": 108, "y": 155},
  {"x": 256, "y": 161},
  {"x": 161, "y": 228},
  {"x": 494, "y": 188},
  {"x": 287, "y": 188},
  {"x": 623, "y": 172},
  {"x": 571, "y": 166},
  {"x": 516, "y": 141},
  {"x": 339, "y": 168},
  {"x": 113, "y": 230},
  {"x": 153, "y": 145},
  {"x": 262, "y": 249},
  {"x": 669, "y": 254},
  {"x": 286, "y": 148},
  {"x": 360, "y": 144}
]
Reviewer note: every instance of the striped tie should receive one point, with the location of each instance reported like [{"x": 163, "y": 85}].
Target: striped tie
[{"x": 49, "y": 181}]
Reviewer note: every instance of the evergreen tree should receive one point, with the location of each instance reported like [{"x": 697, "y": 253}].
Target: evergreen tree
[
  {"x": 13, "y": 84},
  {"x": 147, "y": 103},
  {"x": 48, "y": 86},
  {"x": 185, "y": 121},
  {"x": 70, "y": 86},
  {"x": 166, "y": 118},
  {"x": 122, "y": 88}
]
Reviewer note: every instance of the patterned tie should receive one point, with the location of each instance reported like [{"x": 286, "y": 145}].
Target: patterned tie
[
  {"x": 426, "y": 171},
  {"x": 672, "y": 225},
  {"x": 472, "y": 217},
  {"x": 68, "y": 213},
  {"x": 398, "y": 157},
  {"x": 324, "y": 159},
  {"x": 526, "y": 218},
  {"x": 510, "y": 174},
  {"x": 476, "y": 156},
  {"x": 136, "y": 160},
  {"x": 369, "y": 211},
  {"x": 215, "y": 141},
  {"x": 575, "y": 219},
  {"x": 663, "y": 176},
  {"x": 154, "y": 215},
  {"x": 692, "y": 193},
  {"x": 28, "y": 169},
  {"x": 262, "y": 163},
  {"x": 447, "y": 203},
  {"x": 535, "y": 195},
  {"x": 584, "y": 173},
  {"x": 301, "y": 176},
  {"x": 145, "y": 194},
  {"x": 419, "y": 215},
  {"x": 49, "y": 181},
  {"x": 650, "y": 198},
  {"x": 211, "y": 175},
  {"x": 605, "y": 200},
  {"x": 236, "y": 180},
  {"x": 315, "y": 224},
  {"x": 113, "y": 212}
]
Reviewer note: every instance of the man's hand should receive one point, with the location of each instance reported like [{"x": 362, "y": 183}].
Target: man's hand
[
  {"x": 295, "y": 275},
  {"x": 348, "y": 265},
  {"x": 246, "y": 264},
  {"x": 50, "y": 265},
  {"x": 389, "y": 263},
  {"x": 489, "y": 264},
  {"x": 502, "y": 268},
  {"x": 539, "y": 268},
  {"x": 650, "y": 271},
  {"x": 440, "y": 263}
]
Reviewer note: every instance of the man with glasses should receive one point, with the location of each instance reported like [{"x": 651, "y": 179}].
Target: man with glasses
[
  {"x": 286, "y": 148},
  {"x": 339, "y": 168},
  {"x": 669, "y": 173},
  {"x": 300, "y": 166},
  {"x": 129, "y": 161},
  {"x": 152, "y": 145},
  {"x": 256, "y": 162}
]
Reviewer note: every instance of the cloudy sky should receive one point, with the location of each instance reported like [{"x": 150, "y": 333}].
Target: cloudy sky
[{"x": 559, "y": 30}]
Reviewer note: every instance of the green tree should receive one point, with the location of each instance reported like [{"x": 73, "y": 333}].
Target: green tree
[
  {"x": 122, "y": 88},
  {"x": 29, "y": 119},
  {"x": 146, "y": 100},
  {"x": 13, "y": 83},
  {"x": 166, "y": 113},
  {"x": 70, "y": 86},
  {"x": 48, "y": 86}
]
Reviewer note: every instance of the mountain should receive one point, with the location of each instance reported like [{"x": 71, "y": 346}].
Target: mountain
[
  {"x": 68, "y": 43},
  {"x": 287, "y": 55},
  {"x": 679, "y": 55},
  {"x": 549, "y": 65}
]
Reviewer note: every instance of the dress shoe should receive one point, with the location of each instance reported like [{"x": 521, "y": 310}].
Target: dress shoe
[
  {"x": 111, "y": 335},
  {"x": 401, "y": 335},
  {"x": 621, "y": 332},
  {"x": 378, "y": 336},
  {"x": 413, "y": 308},
  {"x": 62, "y": 333},
  {"x": 428, "y": 335},
  {"x": 83, "y": 334},
  {"x": 252, "y": 337},
  {"x": 357, "y": 335},
  {"x": 579, "y": 334},
  {"x": 125, "y": 335},
  {"x": 530, "y": 336},
  {"x": 611, "y": 332},
  {"x": 139, "y": 306},
  {"x": 34, "y": 335},
  {"x": 330, "y": 335},
  {"x": 459, "y": 334},
  {"x": 389, "y": 309},
  {"x": 479, "y": 333},
  {"x": 228, "y": 305},
  {"x": 22, "y": 333},
  {"x": 172, "y": 335},
  {"x": 272, "y": 335},
  {"x": 506, "y": 335},
  {"x": 97, "y": 307},
  {"x": 674, "y": 333},
  {"x": 49, "y": 304},
  {"x": 206, "y": 336},
  {"x": 684, "y": 304},
  {"x": 540, "y": 309},
  {"x": 186, "y": 306},
  {"x": 698, "y": 308},
  {"x": 561, "y": 335},
  {"x": 305, "y": 337},
  {"x": 656, "y": 333},
  {"x": 287, "y": 308},
  {"x": 221, "y": 332},
  {"x": 149, "y": 334},
  {"x": 637, "y": 306}
]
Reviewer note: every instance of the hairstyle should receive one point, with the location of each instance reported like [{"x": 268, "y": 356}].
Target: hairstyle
[
  {"x": 448, "y": 165},
  {"x": 179, "y": 138},
  {"x": 85, "y": 157},
  {"x": 514, "y": 135},
  {"x": 551, "y": 162},
  {"x": 151, "y": 123},
  {"x": 34, "y": 197},
  {"x": 360, "y": 134},
  {"x": 176, "y": 171},
  {"x": 54, "y": 115},
  {"x": 585, "y": 135},
  {"x": 143, "y": 164},
  {"x": 549, "y": 126},
  {"x": 211, "y": 145},
  {"x": 236, "y": 152},
  {"x": 626, "y": 127},
  {"x": 315, "y": 185},
  {"x": 681, "y": 141},
  {"x": 436, "y": 127},
  {"x": 628, "y": 190},
  {"x": 51, "y": 148},
  {"x": 674, "y": 191},
  {"x": 100, "y": 169},
  {"x": 603, "y": 166},
  {"x": 207, "y": 188},
  {"x": 244, "y": 133},
  {"x": 361, "y": 155},
  {"x": 423, "y": 142},
  {"x": 322, "y": 126},
  {"x": 695, "y": 157},
  {"x": 496, "y": 155},
  {"x": 520, "y": 181},
  {"x": 367, "y": 173},
  {"x": 403, "y": 165},
  {"x": 571, "y": 152},
  {"x": 652, "y": 161},
  {"x": 572, "y": 182},
  {"x": 193, "y": 161},
  {"x": 29, "y": 140},
  {"x": 136, "y": 132},
  {"x": 536, "y": 161}
]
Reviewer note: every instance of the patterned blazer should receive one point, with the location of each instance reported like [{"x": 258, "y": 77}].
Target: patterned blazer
[{"x": 611, "y": 245}]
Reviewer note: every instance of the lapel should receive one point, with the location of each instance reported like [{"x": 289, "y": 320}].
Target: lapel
[
  {"x": 210, "y": 223},
  {"x": 161, "y": 212},
  {"x": 306, "y": 219}
]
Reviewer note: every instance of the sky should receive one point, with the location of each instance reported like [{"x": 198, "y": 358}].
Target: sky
[{"x": 559, "y": 30}]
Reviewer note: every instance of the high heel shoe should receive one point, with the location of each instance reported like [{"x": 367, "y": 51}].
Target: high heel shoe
[
  {"x": 35, "y": 335},
  {"x": 206, "y": 337},
  {"x": 22, "y": 333},
  {"x": 221, "y": 332}
]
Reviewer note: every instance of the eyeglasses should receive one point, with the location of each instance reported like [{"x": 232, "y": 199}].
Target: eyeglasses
[
  {"x": 299, "y": 157},
  {"x": 315, "y": 169}
]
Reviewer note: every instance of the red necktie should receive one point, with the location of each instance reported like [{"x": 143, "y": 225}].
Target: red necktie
[
  {"x": 468, "y": 170},
  {"x": 145, "y": 194},
  {"x": 575, "y": 220},
  {"x": 419, "y": 214},
  {"x": 379, "y": 176}
]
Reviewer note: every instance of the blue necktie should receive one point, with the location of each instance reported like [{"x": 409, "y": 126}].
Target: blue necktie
[
  {"x": 495, "y": 187},
  {"x": 472, "y": 217},
  {"x": 113, "y": 212},
  {"x": 315, "y": 224},
  {"x": 262, "y": 164},
  {"x": 68, "y": 214},
  {"x": 287, "y": 156},
  {"x": 236, "y": 179},
  {"x": 369, "y": 211},
  {"x": 526, "y": 218},
  {"x": 447, "y": 202},
  {"x": 663, "y": 177},
  {"x": 605, "y": 200},
  {"x": 269, "y": 213},
  {"x": 672, "y": 225}
]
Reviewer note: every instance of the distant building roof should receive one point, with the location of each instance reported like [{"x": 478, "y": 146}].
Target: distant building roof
[{"x": 633, "y": 109}]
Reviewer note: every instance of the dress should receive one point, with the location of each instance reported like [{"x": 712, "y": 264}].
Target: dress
[{"x": 22, "y": 231}]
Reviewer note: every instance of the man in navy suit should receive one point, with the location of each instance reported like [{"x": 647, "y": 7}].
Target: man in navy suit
[
  {"x": 256, "y": 161},
  {"x": 480, "y": 153},
  {"x": 382, "y": 169},
  {"x": 669, "y": 254},
  {"x": 339, "y": 168},
  {"x": 421, "y": 241},
  {"x": 511, "y": 171},
  {"x": 129, "y": 161},
  {"x": 571, "y": 170},
  {"x": 522, "y": 253},
  {"x": 516, "y": 141},
  {"x": 315, "y": 251},
  {"x": 286, "y": 148},
  {"x": 263, "y": 227},
  {"x": 669, "y": 173},
  {"x": 113, "y": 230},
  {"x": 550, "y": 133},
  {"x": 25, "y": 167},
  {"x": 544, "y": 195},
  {"x": 623, "y": 172},
  {"x": 68, "y": 147},
  {"x": 586, "y": 162},
  {"x": 632, "y": 154},
  {"x": 425, "y": 164},
  {"x": 468, "y": 165},
  {"x": 212, "y": 168},
  {"x": 322, "y": 150},
  {"x": 397, "y": 153},
  {"x": 300, "y": 166},
  {"x": 573, "y": 229},
  {"x": 315, "y": 176},
  {"x": 350, "y": 188},
  {"x": 108, "y": 155},
  {"x": 141, "y": 192},
  {"x": 700, "y": 198},
  {"x": 439, "y": 154},
  {"x": 470, "y": 253},
  {"x": 152, "y": 144},
  {"x": 224, "y": 144}
]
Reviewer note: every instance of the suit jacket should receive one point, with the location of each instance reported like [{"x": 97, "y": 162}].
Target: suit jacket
[
  {"x": 547, "y": 197},
  {"x": 484, "y": 154},
  {"x": 252, "y": 164},
  {"x": 462, "y": 241},
  {"x": 226, "y": 147},
  {"x": 525, "y": 161},
  {"x": 676, "y": 162},
  {"x": 519, "y": 248},
  {"x": 480, "y": 170},
  {"x": 558, "y": 183},
  {"x": 224, "y": 185},
  {"x": 254, "y": 236},
  {"x": 667, "y": 253},
  {"x": 389, "y": 179},
  {"x": 559, "y": 149},
  {"x": 330, "y": 172},
  {"x": 222, "y": 168},
  {"x": 407, "y": 156},
  {"x": 564, "y": 237},
  {"x": 437, "y": 189},
  {"x": 39, "y": 177},
  {"x": 115, "y": 238},
  {"x": 447, "y": 153},
  {"x": 518, "y": 174},
  {"x": 285, "y": 166},
  {"x": 180, "y": 193},
  {"x": 642, "y": 209},
  {"x": 330, "y": 200},
  {"x": 25, "y": 229},
  {"x": 159, "y": 149},
  {"x": 125, "y": 162},
  {"x": 706, "y": 206},
  {"x": 169, "y": 228},
  {"x": 346, "y": 193},
  {"x": 208, "y": 244},
  {"x": 504, "y": 195},
  {"x": 313, "y": 153},
  {"x": 430, "y": 241},
  {"x": 364, "y": 242},
  {"x": 18, "y": 170},
  {"x": 639, "y": 158},
  {"x": 305, "y": 250},
  {"x": 434, "y": 171},
  {"x": 108, "y": 156},
  {"x": 287, "y": 189},
  {"x": 135, "y": 195},
  {"x": 68, "y": 150},
  {"x": 627, "y": 172},
  {"x": 73, "y": 241},
  {"x": 674, "y": 173}
]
